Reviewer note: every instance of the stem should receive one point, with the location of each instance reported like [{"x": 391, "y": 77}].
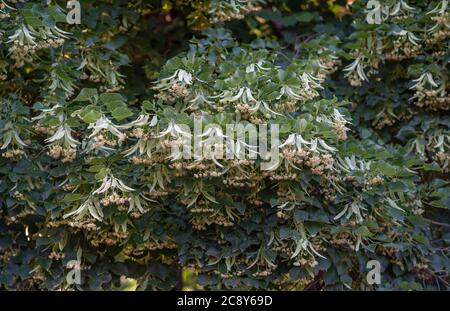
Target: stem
[{"x": 438, "y": 223}]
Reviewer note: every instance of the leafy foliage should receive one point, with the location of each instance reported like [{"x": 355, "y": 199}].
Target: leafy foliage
[{"x": 91, "y": 112}]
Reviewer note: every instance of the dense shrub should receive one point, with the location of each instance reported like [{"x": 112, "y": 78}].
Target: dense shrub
[{"x": 91, "y": 114}]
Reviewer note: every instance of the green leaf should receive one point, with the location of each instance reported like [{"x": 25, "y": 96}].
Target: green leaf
[
  {"x": 116, "y": 105},
  {"x": 116, "y": 43},
  {"x": 121, "y": 113},
  {"x": 109, "y": 97},
  {"x": 87, "y": 94},
  {"x": 71, "y": 197},
  {"x": 148, "y": 105},
  {"x": 90, "y": 114},
  {"x": 96, "y": 168},
  {"x": 420, "y": 238},
  {"x": 362, "y": 231},
  {"x": 102, "y": 173},
  {"x": 302, "y": 17},
  {"x": 313, "y": 227},
  {"x": 128, "y": 284},
  {"x": 302, "y": 124},
  {"x": 56, "y": 14},
  {"x": 32, "y": 18}
]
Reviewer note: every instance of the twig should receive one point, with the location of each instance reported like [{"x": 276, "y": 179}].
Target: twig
[{"x": 438, "y": 223}]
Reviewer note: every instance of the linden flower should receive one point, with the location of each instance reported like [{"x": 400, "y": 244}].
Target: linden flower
[
  {"x": 199, "y": 99},
  {"x": 11, "y": 134},
  {"x": 440, "y": 16},
  {"x": 256, "y": 66},
  {"x": 440, "y": 8},
  {"x": 136, "y": 202},
  {"x": 359, "y": 67},
  {"x": 213, "y": 131},
  {"x": 23, "y": 35},
  {"x": 410, "y": 36},
  {"x": 244, "y": 94},
  {"x": 47, "y": 112},
  {"x": 289, "y": 92},
  {"x": 7, "y": 6},
  {"x": 53, "y": 33},
  {"x": 425, "y": 78},
  {"x": 308, "y": 79},
  {"x": 316, "y": 144},
  {"x": 440, "y": 142},
  {"x": 406, "y": 7},
  {"x": 143, "y": 145},
  {"x": 261, "y": 104},
  {"x": 174, "y": 130},
  {"x": 322, "y": 63},
  {"x": 399, "y": 6},
  {"x": 183, "y": 139},
  {"x": 393, "y": 204},
  {"x": 354, "y": 208},
  {"x": 349, "y": 164},
  {"x": 297, "y": 140},
  {"x": 180, "y": 76},
  {"x": 64, "y": 132},
  {"x": 214, "y": 139},
  {"x": 105, "y": 124},
  {"x": 65, "y": 84},
  {"x": 305, "y": 245},
  {"x": 338, "y": 117},
  {"x": 111, "y": 182},
  {"x": 142, "y": 120},
  {"x": 320, "y": 145},
  {"x": 417, "y": 146},
  {"x": 91, "y": 206},
  {"x": 238, "y": 148}
]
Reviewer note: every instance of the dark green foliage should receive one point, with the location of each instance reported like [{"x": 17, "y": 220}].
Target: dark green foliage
[{"x": 88, "y": 114}]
